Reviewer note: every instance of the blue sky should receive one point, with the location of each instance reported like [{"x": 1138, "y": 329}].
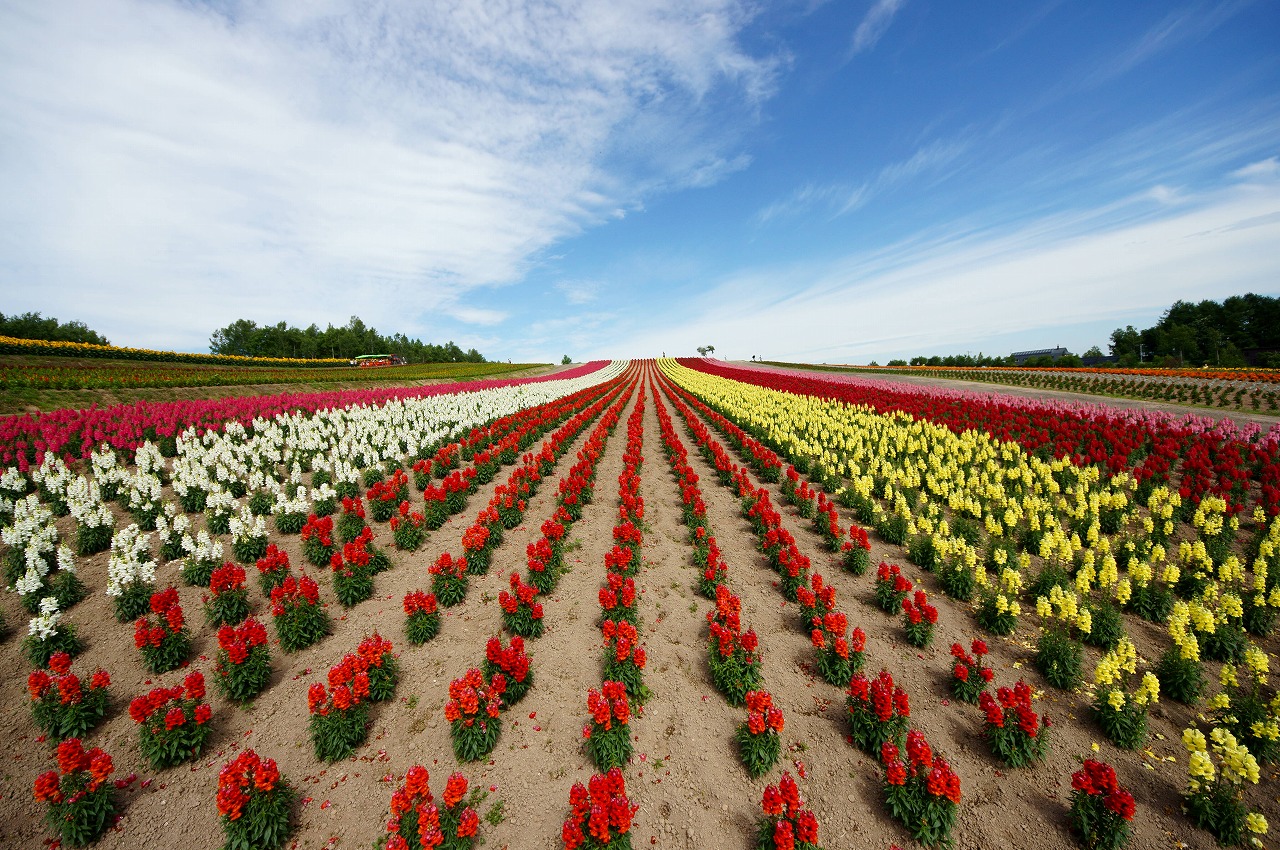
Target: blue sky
[{"x": 832, "y": 181}]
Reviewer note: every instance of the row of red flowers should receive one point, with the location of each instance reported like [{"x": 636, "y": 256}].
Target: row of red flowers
[{"x": 733, "y": 654}]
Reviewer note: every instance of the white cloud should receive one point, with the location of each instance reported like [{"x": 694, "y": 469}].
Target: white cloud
[
  {"x": 960, "y": 291},
  {"x": 169, "y": 168},
  {"x": 1266, "y": 169},
  {"x": 579, "y": 292},
  {"x": 1190, "y": 22},
  {"x": 874, "y": 24},
  {"x": 1165, "y": 194}
]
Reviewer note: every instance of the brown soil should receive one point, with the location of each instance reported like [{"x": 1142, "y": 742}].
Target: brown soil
[{"x": 685, "y": 776}]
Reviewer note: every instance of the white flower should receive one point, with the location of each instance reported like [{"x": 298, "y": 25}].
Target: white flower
[
  {"x": 130, "y": 560},
  {"x": 45, "y": 624}
]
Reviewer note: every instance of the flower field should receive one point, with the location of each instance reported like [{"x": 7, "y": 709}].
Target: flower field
[
  {"x": 1224, "y": 389},
  {"x": 672, "y": 603},
  {"x": 111, "y": 375}
]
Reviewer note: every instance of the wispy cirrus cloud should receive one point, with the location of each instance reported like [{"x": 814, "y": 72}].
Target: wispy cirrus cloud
[
  {"x": 874, "y": 25},
  {"x": 579, "y": 292},
  {"x": 837, "y": 199},
  {"x": 1262, "y": 169},
  {"x": 1191, "y": 22},
  {"x": 180, "y": 165}
]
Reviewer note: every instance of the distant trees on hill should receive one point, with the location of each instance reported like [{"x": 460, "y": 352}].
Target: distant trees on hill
[
  {"x": 1212, "y": 333},
  {"x": 35, "y": 326},
  {"x": 1243, "y": 330},
  {"x": 246, "y": 338}
]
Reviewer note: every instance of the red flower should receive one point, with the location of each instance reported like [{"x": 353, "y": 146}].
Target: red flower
[
  {"x": 784, "y": 836},
  {"x": 468, "y": 823},
  {"x": 454, "y": 790},
  {"x": 1120, "y": 801},
  {"x": 60, "y": 663},
  {"x": 174, "y": 718},
  {"x": 46, "y": 789},
  {"x": 71, "y": 756},
  {"x": 37, "y": 683}
]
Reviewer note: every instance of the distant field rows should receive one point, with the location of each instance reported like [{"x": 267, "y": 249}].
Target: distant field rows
[
  {"x": 1216, "y": 389},
  {"x": 119, "y": 374}
]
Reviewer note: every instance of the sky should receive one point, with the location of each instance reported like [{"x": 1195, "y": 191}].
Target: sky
[{"x": 823, "y": 181}]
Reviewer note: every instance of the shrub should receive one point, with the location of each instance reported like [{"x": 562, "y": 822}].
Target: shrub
[
  {"x": 879, "y": 711},
  {"x": 1013, "y": 728},
  {"x": 162, "y": 636},
  {"x": 60, "y": 704},
  {"x": 243, "y": 664},
  {"x": 760, "y": 736},
  {"x": 421, "y": 617},
  {"x": 254, "y": 803},
  {"x": 77, "y": 793},
  {"x": 173, "y": 723},
  {"x": 922, "y": 792},
  {"x": 1101, "y": 808}
]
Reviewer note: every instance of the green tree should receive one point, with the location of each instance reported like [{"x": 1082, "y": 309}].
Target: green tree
[
  {"x": 246, "y": 338},
  {"x": 238, "y": 338},
  {"x": 34, "y": 326},
  {"x": 1125, "y": 341}
]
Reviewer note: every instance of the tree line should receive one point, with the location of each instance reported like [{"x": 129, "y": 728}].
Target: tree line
[
  {"x": 35, "y": 326},
  {"x": 249, "y": 339},
  {"x": 1242, "y": 330}
]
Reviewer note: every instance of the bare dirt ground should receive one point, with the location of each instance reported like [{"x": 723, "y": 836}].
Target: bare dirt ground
[{"x": 686, "y": 777}]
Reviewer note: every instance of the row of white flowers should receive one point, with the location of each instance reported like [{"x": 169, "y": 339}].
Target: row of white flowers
[{"x": 220, "y": 468}]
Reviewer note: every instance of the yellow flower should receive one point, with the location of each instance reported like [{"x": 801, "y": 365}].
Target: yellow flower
[
  {"x": 1200, "y": 770},
  {"x": 1193, "y": 739},
  {"x": 1148, "y": 689},
  {"x": 1084, "y": 621}
]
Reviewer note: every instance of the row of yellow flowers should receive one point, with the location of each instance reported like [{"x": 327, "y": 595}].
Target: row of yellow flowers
[
  {"x": 54, "y": 348},
  {"x": 1087, "y": 532}
]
